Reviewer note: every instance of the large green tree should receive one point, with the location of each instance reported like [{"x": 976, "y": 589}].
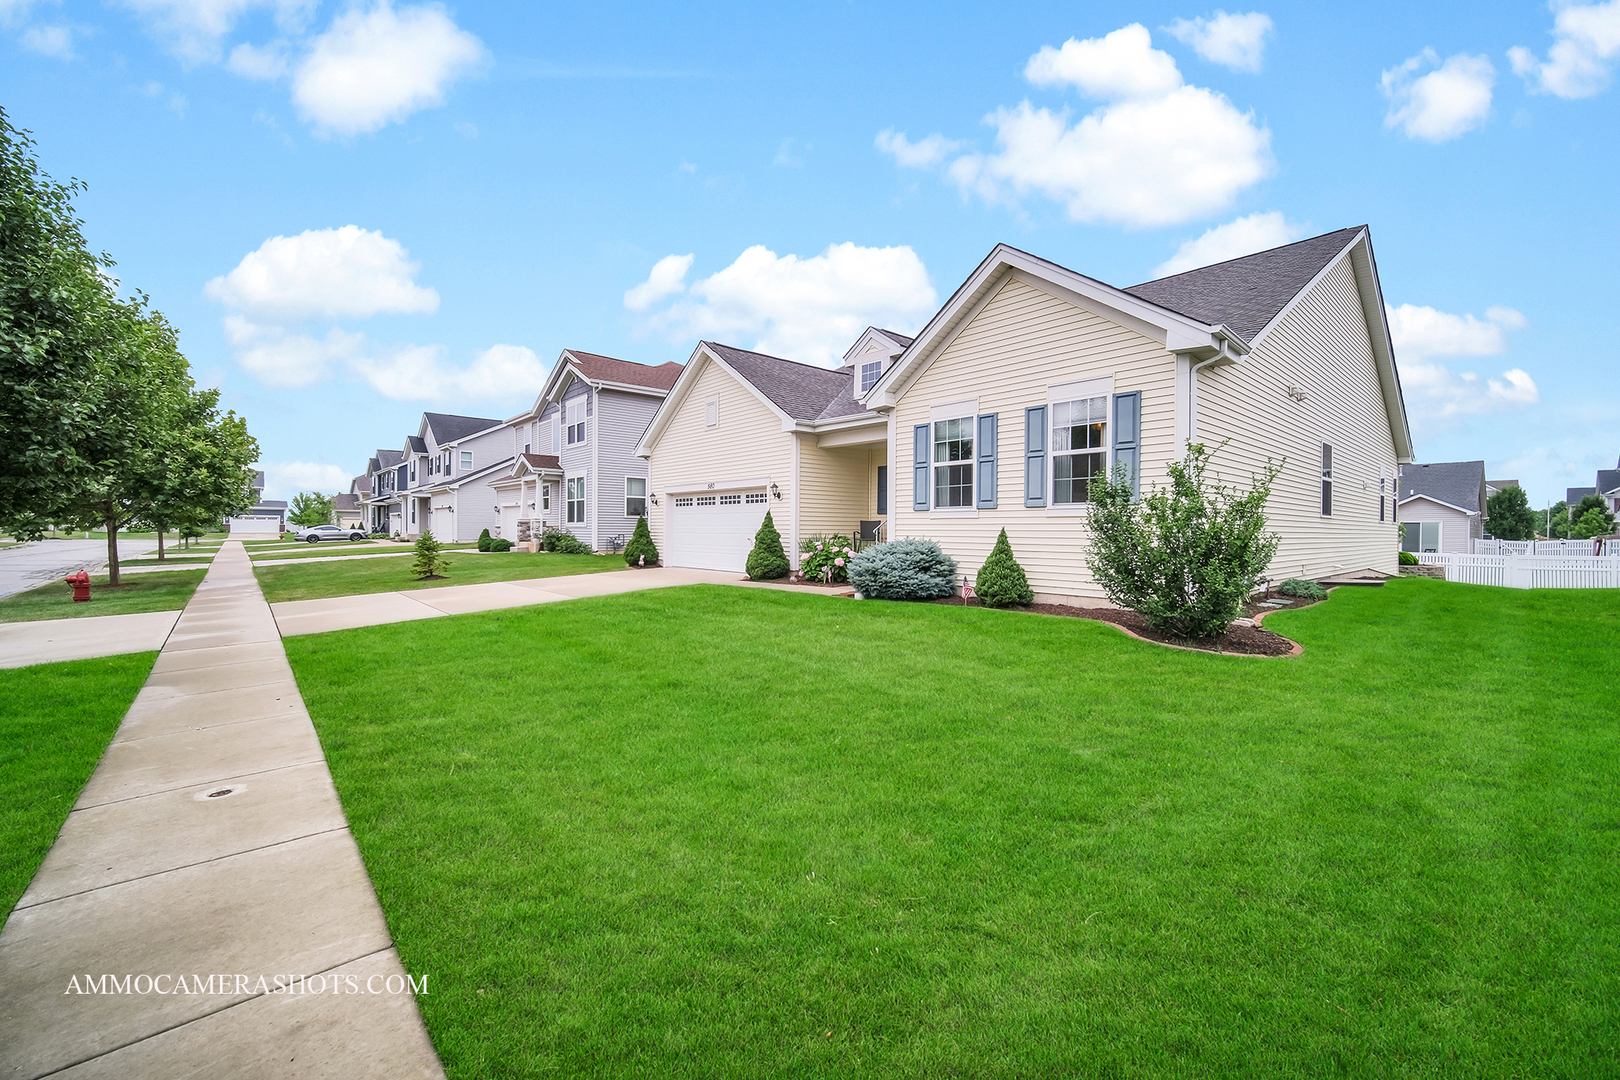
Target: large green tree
[
  {"x": 207, "y": 475},
  {"x": 311, "y": 508},
  {"x": 1508, "y": 515},
  {"x": 1591, "y": 518}
]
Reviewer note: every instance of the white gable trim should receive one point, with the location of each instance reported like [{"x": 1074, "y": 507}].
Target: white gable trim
[
  {"x": 1437, "y": 502},
  {"x": 873, "y": 336}
]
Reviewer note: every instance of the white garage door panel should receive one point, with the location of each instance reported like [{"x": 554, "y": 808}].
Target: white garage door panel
[
  {"x": 443, "y": 525},
  {"x": 714, "y": 531}
]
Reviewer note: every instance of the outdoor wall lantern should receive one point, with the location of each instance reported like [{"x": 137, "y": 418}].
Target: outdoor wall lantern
[
  {"x": 776, "y": 492},
  {"x": 653, "y": 499}
]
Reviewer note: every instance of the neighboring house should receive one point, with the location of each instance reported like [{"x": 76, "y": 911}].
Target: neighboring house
[
  {"x": 384, "y": 503},
  {"x": 448, "y": 466},
  {"x": 1493, "y": 486},
  {"x": 1031, "y": 381},
  {"x": 742, "y": 433},
  {"x": 1442, "y": 506},
  {"x": 257, "y": 517},
  {"x": 1608, "y": 486},
  {"x": 346, "y": 511},
  {"x": 576, "y": 467}
]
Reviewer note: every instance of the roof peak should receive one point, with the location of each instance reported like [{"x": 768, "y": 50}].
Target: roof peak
[{"x": 1348, "y": 232}]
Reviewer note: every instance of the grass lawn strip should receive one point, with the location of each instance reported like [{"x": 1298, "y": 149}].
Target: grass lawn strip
[
  {"x": 55, "y": 722},
  {"x": 766, "y": 835},
  {"x": 167, "y": 590},
  {"x": 312, "y": 551},
  {"x": 353, "y": 577}
]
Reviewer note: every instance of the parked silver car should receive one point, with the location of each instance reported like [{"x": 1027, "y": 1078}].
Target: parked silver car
[{"x": 317, "y": 533}]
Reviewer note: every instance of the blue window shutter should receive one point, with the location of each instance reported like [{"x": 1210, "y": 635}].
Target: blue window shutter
[
  {"x": 1128, "y": 435},
  {"x": 987, "y": 462},
  {"x": 922, "y": 440},
  {"x": 1035, "y": 456},
  {"x": 883, "y": 491}
]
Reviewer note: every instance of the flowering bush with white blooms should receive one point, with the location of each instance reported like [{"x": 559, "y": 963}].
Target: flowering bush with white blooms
[{"x": 819, "y": 554}]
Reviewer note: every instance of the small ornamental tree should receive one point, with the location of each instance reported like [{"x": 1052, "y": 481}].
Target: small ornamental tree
[
  {"x": 311, "y": 508},
  {"x": 1001, "y": 582},
  {"x": 429, "y": 560},
  {"x": 767, "y": 561},
  {"x": 641, "y": 551},
  {"x": 483, "y": 540},
  {"x": 1508, "y": 515},
  {"x": 1597, "y": 521},
  {"x": 1187, "y": 555}
]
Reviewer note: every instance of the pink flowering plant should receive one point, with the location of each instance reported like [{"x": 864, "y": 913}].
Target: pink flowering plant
[{"x": 821, "y": 554}]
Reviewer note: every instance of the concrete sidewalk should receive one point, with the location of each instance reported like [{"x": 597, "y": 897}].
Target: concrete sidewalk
[
  {"x": 209, "y": 843},
  {"x": 50, "y": 641}
]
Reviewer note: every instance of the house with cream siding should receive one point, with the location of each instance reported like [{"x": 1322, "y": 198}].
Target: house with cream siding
[
  {"x": 576, "y": 467},
  {"x": 743, "y": 432},
  {"x": 1442, "y": 506},
  {"x": 1032, "y": 380}
]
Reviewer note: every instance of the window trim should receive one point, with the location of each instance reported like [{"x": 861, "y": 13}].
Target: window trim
[
  {"x": 711, "y": 411},
  {"x": 545, "y": 496},
  {"x": 466, "y": 460},
  {"x": 1057, "y": 395},
  {"x": 642, "y": 498},
  {"x": 583, "y": 414},
  {"x": 576, "y": 494},
  {"x": 970, "y": 463},
  {"x": 1327, "y": 480},
  {"x": 865, "y": 383}
]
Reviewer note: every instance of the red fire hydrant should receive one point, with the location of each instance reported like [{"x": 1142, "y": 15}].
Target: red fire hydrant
[{"x": 81, "y": 586}]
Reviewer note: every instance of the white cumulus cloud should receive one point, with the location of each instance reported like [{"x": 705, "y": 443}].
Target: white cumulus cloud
[
  {"x": 668, "y": 277},
  {"x": 53, "y": 41},
  {"x": 1433, "y": 391},
  {"x": 283, "y": 358},
  {"x": 1452, "y": 99},
  {"x": 377, "y": 66},
  {"x": 1234, "y": 41},
  {"x": 1158, "y": 153},
  {"x": 1586, "y": 40},
  {"x": 1245, "y": 236},
  {"x": 336, "y": 273},
  {"x": 922, "y": 154},
  {"x": 194, "y": 30},
  {"x": 421, "y": 373},
  {"x": 284, "y": 479},
  {"x": 1423, "y": 332},
  {"x": 805, "y": 309},
  {"x": 266, "y": 62}
]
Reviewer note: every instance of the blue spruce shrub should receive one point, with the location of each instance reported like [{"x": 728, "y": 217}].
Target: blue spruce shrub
[{"x": 903, "y": 570}]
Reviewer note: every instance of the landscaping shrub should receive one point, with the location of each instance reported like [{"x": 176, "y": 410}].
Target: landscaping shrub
[
  {"x": 903, "y": 570},
  {"x": 641, "y": 551},
  {"x": 379, "y": 535},
  {"x": 1301, "y": 589},
  {"x": 1408, "y": 559},
  {"x": 428, "y": 562},
  {"x": 499, "y": 543},
  {"x": 1001, "y": 582},
  {"x": 1185, "y": 556},
  {"x": 826, "y": 558},
  {"x": 563, "y": 542},
  {"x": 767, "y": 561},
  {"x": 483, "y": 540}
]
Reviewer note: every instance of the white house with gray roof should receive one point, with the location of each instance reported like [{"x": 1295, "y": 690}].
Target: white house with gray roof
[
  {"x": 1033, "y": 379},
  {"x": 1442, "y": 506}
]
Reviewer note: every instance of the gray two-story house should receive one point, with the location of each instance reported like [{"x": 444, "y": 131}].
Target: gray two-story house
[
  {"x": 449, "y": 464},
  {"x": 576, "y": 467}
]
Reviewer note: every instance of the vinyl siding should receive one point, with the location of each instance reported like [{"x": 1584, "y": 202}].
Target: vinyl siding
[
  {"x": 834, "y": 487},
  {"x": 1321, "y": 348},
  {"x": 1023, "y": 341},
  {"x": 1457, "y": 529},
  {"x": 576, "y": 461},
  {"x": 748, "y": 442},
  {"x": 622, "y": 418}
]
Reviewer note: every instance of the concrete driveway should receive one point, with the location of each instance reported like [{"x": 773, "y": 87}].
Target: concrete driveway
[{"x": 27, "y": 565}]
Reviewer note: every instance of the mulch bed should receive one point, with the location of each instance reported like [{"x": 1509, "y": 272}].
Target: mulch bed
[{"x": 1242, "y": 640}]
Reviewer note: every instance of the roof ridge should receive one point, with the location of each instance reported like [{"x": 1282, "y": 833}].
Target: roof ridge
[
  {"x": 1240, "y": 258},
  {"x": 770, "y": 356}
]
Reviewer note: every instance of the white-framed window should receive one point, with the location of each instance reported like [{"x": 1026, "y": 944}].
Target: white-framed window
[
  {"x": 1421, "y": 536},
  {"x": 731, "y": 500},
  {"x": 526, "y": 448},
  {"x": 705, "y": 500},
  {"x": 687, "y": 501},
  {"x": 576, "y": 422},
  {"x": 635, "y": 496},
  {"x": 871, "y": 371},
  {"x": 576, "y": 501},
  {"x": 1327, "y": 480},
  {"x": 711, "y": 410},
  {"x": 754, "y": 498},
  {"x": 1079, "y": 448},
  {"x": 545, "y": 496},
  {"x": 953, "y": 463},
  {"x": 466, "y": 460}
]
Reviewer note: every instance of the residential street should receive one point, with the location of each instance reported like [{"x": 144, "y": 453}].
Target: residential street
[{"x": 27, "y": 565}]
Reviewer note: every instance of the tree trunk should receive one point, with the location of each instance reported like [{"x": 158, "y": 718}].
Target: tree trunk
[
  {"x": 112, "y": 550},
  {"x": 160, "y": 543}
]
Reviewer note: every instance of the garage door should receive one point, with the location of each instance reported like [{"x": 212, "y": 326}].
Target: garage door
[
  {"x": 713, "y": 531},
  {"x": 444, "y": 524}
]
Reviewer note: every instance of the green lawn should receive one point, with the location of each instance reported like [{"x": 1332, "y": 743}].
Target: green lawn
[
  {"x": 722, "y": 832},
  {"x": 55, "y": 722},
  {"x": 326, "y": 550},
  {"x": 188, "y": 557},
  {"x": 166, "y": 590},
  {"x": 350, "y": 577}
]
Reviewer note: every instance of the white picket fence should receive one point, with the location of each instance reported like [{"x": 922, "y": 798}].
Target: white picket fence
[
  {"x": 1577, "y": 548},
  {"x": 1529, "y": 571}
]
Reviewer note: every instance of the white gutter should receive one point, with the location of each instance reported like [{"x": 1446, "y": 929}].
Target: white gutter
[{"x": 1231, "y": 352}]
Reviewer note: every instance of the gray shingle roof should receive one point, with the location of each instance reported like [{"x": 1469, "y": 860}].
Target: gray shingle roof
[
  {"x": 802, "y": 391},
  {"x": 1247, "y": 293},
  {"x": 345, "y": 501},
  {"x": 387, "y": 459},
  {"x": 1573, "y": 496},
  {"x": 448, "y": 427},
  {"x": 416, "y": 444},
  {"x": 899, "y": 339},
  {"x": 1608, "y": 479},
  {"x": 1457, "y": 483}
]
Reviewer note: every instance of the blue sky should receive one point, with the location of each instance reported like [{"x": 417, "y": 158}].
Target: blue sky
[{"x": 358, "y": 212}]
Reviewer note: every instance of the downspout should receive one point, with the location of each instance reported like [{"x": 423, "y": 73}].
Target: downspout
[{"x": 1227, "y": 354}]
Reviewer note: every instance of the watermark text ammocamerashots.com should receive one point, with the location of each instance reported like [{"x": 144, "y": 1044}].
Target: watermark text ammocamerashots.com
[{"x": 233, "y": 985}]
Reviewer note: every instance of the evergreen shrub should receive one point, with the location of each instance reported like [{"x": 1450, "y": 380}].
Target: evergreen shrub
[
  {"x": 499, "y": 543},
  {"x": 563, "y": 542},
  {"x": 641, "y": 551},
  {"x": 1300, "y": 589},
  {"x": 767, "y": 561},
  {"x": 1001, "y": 582},
  {"x": 1408, "y": 559},
  {"x": 428, "y": 562},
  {"x": 903, "y": 570},
  {"x": 483, "y": 540}
]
